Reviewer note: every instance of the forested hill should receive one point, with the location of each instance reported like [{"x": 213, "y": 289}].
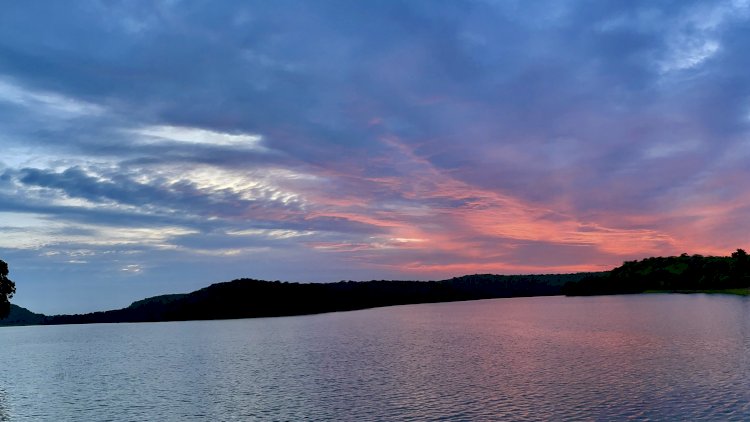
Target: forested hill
[
  {"x": 22, "y": 316},
  {"x": 247, "y": 298},
  {"x": 684, "y": 273}
]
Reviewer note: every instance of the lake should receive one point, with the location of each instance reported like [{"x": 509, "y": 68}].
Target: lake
[{"x": 593, "y": 358}]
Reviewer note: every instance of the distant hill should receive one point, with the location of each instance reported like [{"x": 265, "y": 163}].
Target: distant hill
[
  {"x": 248, "y": 298},
  {"x": 21, "y": 316}
]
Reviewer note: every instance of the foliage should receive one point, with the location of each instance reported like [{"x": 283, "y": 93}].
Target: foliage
[
  {"x": 7, "y": 289},
  {"x": 676, "y": 273},
  {"x": 246, "y": 298}
]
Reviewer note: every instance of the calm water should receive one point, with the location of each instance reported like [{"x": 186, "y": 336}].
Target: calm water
[{"x": 601, "y": 358}]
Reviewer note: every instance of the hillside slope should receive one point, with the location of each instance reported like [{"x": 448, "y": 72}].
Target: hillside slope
[{"x": 248, "y": 298}]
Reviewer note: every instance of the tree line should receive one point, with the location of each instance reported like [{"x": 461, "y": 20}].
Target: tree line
[
  {"x": 246, "y": 298},
  {"x": 674, "y": 273}
]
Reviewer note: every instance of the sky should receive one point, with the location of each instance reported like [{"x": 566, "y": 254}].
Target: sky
[{"x": 151, "y": 147}]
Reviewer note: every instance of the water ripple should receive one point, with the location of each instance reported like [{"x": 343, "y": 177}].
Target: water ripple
[{"x": 645, "y": 357}]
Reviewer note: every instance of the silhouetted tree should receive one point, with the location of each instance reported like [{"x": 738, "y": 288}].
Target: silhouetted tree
[
  {"x": 7, "y": 289},
  {"x": 740, "y": 255},
  {"x": 681, "y": 273},
  {"x": 741, "y": 267}
]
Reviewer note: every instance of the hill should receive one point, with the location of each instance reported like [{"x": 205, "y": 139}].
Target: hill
[
  {"x": 248, "y": 298},
  {"x": 684, "y": 273},
  {"x": 21, "y": 316}
]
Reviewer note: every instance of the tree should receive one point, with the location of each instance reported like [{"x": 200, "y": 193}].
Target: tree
[
  {"x": 741, "y": 267},
  {"x": 7, "y": 289},
  {"x": 739, "y": 255}
]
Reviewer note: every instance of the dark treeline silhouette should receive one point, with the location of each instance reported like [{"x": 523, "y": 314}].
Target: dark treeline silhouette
[
  {"x": 22, "y": 316},
  {"x": 7, "y": 289},
  {"x": 247, "y": 298},
  {"x": 676, "y": 273}
]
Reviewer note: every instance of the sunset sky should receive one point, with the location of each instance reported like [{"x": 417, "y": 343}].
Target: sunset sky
[{"x": 157, "y": 147}]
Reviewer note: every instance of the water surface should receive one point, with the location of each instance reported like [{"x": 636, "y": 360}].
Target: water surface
[{"x": 594, "y": 358}]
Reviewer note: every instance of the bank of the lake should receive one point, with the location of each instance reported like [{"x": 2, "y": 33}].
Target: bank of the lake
[
  {"x": 248, "y": 298},
  {"x": 736, "y": 292}
]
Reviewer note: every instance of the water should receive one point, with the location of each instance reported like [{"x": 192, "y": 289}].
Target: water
[{"x": 641, "y": 357}]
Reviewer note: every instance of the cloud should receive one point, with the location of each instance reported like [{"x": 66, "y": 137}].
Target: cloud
[
  {"x": 46, "y": 102},
  {"x": 399, "y": 139},
  {"x": 199, "y": 193},
  {"x": 157, "y": 134}
]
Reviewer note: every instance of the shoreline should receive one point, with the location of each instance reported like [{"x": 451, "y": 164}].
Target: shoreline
[{"x": 734, "y": 292}]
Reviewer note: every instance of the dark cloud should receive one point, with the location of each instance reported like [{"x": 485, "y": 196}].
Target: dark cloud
[
  {"x": 163, "y": 194},
  {"x": 162, "y": 203}
]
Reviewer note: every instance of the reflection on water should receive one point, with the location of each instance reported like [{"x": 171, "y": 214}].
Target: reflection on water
[{"x": 638, "y": 357}]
